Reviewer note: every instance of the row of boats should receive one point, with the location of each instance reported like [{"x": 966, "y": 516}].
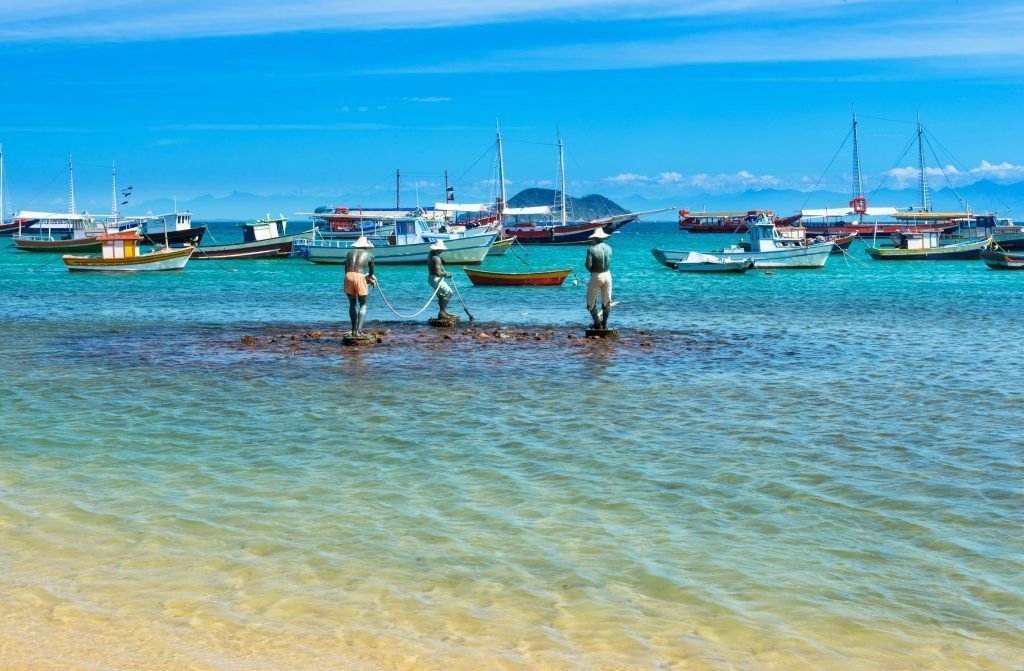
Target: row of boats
[
  {"x": 771, "y": 246},
  {"x": 471, "y": 232}
]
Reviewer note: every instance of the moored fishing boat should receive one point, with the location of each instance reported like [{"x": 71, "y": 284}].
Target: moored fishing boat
[
  {"x": 261, "y": 239},
  {"x": 121, "y": 253},
  {"x": 539, "y": 278},
  {"x": 173, "y": 228},
  {"x": 81, "y": 235},
  {"x": 410, "y": 244},
  {"x": 697, "y": 262},
  {"x": 766, "y": 247},
  {"x": 727, "y": 222},
  {"x": 1000, "y": 260},
  {"x": 926, "y": 247}
]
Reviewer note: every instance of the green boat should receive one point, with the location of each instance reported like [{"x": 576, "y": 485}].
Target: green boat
[{"x": 924, "y": 246}]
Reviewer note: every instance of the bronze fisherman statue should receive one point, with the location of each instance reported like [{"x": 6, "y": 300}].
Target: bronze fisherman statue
[
  {"x": 358, "y": 277},
  {"x": 599, "y": 263},
  {"x": 436, "y": 276}
]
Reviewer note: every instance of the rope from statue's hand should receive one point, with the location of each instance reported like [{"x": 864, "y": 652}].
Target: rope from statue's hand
[{"x": 399, "y": 314}]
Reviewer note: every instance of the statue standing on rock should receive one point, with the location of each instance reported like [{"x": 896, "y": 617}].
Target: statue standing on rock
[
  {"x": 358, "y": 277},
  {"x": 436, "y": 275},
  {"x": 599, "y": 263}
]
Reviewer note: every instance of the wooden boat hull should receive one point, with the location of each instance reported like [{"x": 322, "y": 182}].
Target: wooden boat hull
[
  {"x": 723, "y": 267},
  {"x": 544, "y": 278},
  {"x": 1009, "y": 241},
  {"x": 501, "y": 247},
  {"x": 964, "y": 251},
  {"x": 842, "y": 243},
  {"x": 187, "y": 236},
  {"x": 168, "y": 259},
  {"x": 872, "y": 230},
  {"x": 556, "y": 234},
  {"x": 734, "y": 226},
  {"x": 461, "y": 251},
  {"x": 271, "y": 248},
  {"x": 1003, "y": 261},
  {"x": 28, "y": 243}
]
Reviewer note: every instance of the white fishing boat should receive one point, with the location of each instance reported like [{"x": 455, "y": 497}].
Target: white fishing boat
[
  {"x": 410, "y": 244},
  {"x": 697, "y": 262},
  {"x": 767, "y": 248},
  {"x": 121, "y": 253}
]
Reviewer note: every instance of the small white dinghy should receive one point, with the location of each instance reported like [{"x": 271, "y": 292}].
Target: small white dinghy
[{"x": 696, "y": 262}]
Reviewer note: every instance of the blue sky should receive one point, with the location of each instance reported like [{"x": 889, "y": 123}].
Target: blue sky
[{"x": 661, "y": 99}]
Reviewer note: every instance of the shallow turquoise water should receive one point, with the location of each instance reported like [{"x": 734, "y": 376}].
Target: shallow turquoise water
[{"x": 825, "y": 471}]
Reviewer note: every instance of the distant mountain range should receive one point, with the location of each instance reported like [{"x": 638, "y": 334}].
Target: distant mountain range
[
  {"x": 982, "y": 196},
  {"x": 589, "y": 207}
]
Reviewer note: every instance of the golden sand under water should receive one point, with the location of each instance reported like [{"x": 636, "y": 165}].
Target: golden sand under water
[{"x": 787, "y": 480}]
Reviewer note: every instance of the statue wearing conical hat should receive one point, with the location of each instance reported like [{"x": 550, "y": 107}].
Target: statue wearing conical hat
[
  {"x": 436, "y": 275},
  {"x": 358, "y": 277},
  {"x": 599, "y": 263}
]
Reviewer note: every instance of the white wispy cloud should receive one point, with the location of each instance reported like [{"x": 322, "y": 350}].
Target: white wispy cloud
[
  {"x": 699, "y": 182},
  {"x": 429, "y": 99},
  {"x": 276, "y": 126},
  {"x": 970, "y": 32},
  {"x": 1004, "y": 173},
  {"x": 132, "y": 20}
]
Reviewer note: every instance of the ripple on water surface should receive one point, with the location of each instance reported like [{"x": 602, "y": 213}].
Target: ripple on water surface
[{"x": 804, "y": 480}]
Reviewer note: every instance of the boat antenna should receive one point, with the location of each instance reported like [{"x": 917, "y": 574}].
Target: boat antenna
[
  {"x": 501, "y": 172},
  {"x": 71, "y": 179},
  {"x": 398, "y": 189},
  {"x": 925, "y": 204},
  {"x": 561, "y": 169}
]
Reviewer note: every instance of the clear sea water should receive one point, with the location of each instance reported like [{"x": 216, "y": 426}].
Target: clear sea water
[{"x": 825, "y": 471}]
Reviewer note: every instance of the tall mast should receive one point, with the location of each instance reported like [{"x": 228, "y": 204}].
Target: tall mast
[
  {"x": 858, "y": 181},
  {"x": 501, "y": 172},
  {"x": 113, "y": 190},
  {"x": 1, "y": 184},
  {"x": 925, "y": 204},
  {"x": 561, "y": 169},
  {"x": 398, "y": 189},
  {"x": 71, "y": 179}
]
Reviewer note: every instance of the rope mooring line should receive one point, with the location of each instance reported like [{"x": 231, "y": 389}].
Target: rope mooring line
[{"x": 399, "y": 314}]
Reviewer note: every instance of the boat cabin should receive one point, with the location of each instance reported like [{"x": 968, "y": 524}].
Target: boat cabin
[
  {"x": 170, "y": 222},
  {"x": 263, "y": 229},
  {"x": 410, "y": 232},
  {"x": 123, "y": 245},
  {"x": 765, "y": 237},
  {"x": 918, "y": 240}
]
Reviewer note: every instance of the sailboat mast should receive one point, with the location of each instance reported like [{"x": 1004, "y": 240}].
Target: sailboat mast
[
  {"x": 398, "y": 189},
  {"x": 1, "y": 184},
  {"x": 858, "y": 180},
  {"x": 501, "y": 172},
  {"x": 925, "y": 205},
  {"x": 561, "y": 170},
  {"x": 71, "y": 179}
]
